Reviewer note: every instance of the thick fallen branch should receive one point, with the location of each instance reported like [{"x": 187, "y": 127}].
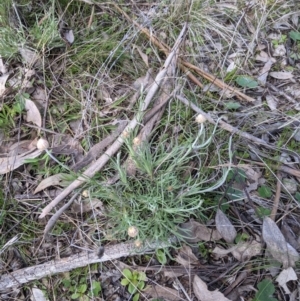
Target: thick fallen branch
[
  {"x": 75, "y": 261},
  {"x": 100, "y": 163}
]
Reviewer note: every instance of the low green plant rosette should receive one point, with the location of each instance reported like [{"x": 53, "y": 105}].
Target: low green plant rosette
[
  {"x": 167, "y": 188},
  {"x": 135, "y": 281}
]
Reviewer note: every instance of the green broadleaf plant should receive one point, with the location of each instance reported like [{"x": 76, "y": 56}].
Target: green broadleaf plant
[
  {"x": 246, "y": 81},
  {"x": 294, "y": 35},
  {"x": 135, "y": 281},
  {"x": 264, "y": 191},
  {"x": 265, "y": 291}
]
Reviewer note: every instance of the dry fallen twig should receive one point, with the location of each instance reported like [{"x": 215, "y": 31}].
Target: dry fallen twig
[
  {"x": 221, "y": 123},
  {"x": 277, "y": 197},
  {"x": 184, "y": 65},
  {"x": 98, "y": 148},
  {"x": 99, "y": 164},
  {"x": 66, "y": 264}
]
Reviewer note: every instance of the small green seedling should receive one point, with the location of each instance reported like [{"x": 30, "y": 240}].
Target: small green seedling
[
  {"x": 135, "y": 281},
  {"x": 246, "y": 81},
  {"x": 80, "y": 290},
  {"x": 265, "y": 291},
  {"x": 161, "y": 256},
  {"x": 264, "y": 191},
  {"x": 261, "y": 212}
]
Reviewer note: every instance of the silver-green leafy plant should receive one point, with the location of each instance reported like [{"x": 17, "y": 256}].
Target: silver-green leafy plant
[{"x": 168, "y": 186}]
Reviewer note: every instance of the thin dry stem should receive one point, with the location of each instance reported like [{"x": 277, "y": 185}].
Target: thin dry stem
[
  {"x": 222, "y": 124},
  {"x": 277, "y": 197},
  {"x": 100, "y": 163}
]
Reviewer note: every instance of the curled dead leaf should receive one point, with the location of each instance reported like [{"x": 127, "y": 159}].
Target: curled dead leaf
[
  {"x": 51, "y": 181},
  {"x": 225, "y": 227},
  {"x": 285, "y": 276},
  {"x": 11, "y": 163},
  {"x": 281, "y": 75},
  {"x": 203, "y": 294},
  {"x": 3, "y": 79},
  {"x": 186, "y": 257},
  {"x": 33, "y": 113},
  {"x": 87, "y": 205},
  {"x": 193, "y": 231},
  {"x": 277, "y": 245},
  {"x": 243, "y": 251},
  {"x": 158, "y": 291}
]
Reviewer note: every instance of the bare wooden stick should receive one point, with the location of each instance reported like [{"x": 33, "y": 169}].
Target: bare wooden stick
[
  {"x": 100, "y": 163},
  {"x": 286, "y": 169},
  {"x": 221, "y": 123},
  {"x": 75, "y": 261},
  {"x": 277, "y": 197}
]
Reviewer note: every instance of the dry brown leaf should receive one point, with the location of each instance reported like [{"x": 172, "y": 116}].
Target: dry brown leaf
[
  {"x": 65, "y": 32},
  {"x": 3, "y": 79},
  {"x": 203, "y": 294},
  {"x": 272, "y": 102},
  {"x": 284, "y": 277},
  {"x": 30, "y": 57},
  {"x": 243, "y": 251},
  {"x": 26, "y": 81},
  {"x": 253, "y": 177},
  {"x": 21, "y": 147},
  {"x": 33, "y": 113},
  {"x": 262, "y": 57},
  {"x": 225, "y": 227},
  {"x": 10, "y": 163},
  {"x": 68, "y": 35},
  {"x": 277, "y": 245},
  {"x": 3, "y": 68},
  {"x": 38, "y": 295},
  {"x": 281, "y": 75},
  {"x": 193, "y": 231},
  {"x": 262, "y": 78},
  {"x": 39, "y": 96},
  {"x": 143, "y": 55},
  {"x": 157, "y": 291},
  {"x": 279, "y": 50},
  {"x": 50, "y": 181},
  {"x": 186, "y": 257},
  {"x": 87, "y": 205}
]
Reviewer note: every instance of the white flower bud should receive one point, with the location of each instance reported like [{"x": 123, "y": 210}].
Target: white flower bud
[
  {"x": 85, "y": 193},
  {"x": 42, "y": 144},
  {"x": 132, "y": 231},
  {"x": 200, "y": 118},
  {"x": 138, "y": 243},
  {"x": 136, "y": 141}
]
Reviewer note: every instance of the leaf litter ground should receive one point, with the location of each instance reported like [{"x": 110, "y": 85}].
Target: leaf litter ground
[{"x": 171, "y": 150}]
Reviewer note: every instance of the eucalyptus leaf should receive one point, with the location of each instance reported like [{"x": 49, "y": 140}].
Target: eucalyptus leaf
[
  {"x": 264, "y": 191},
  {"x": 265, "y": 291},
  {"x": 246, "y": 81},
  {"x": 294, "y": 35},
  {"x": 232, "y": 105}
]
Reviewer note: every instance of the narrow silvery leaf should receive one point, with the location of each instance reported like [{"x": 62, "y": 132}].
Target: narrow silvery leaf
[{"x": 225, "y": 227}]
